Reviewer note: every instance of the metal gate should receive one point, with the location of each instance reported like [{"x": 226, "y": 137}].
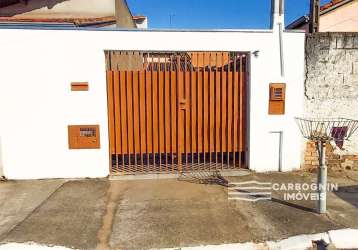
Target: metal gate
[{"x": 176, "y": 112}]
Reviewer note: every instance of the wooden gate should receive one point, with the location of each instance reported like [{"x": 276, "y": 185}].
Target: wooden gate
[{"x": 176, "y": 112}]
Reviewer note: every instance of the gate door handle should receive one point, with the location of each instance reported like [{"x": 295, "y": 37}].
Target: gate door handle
[{"x": 182, "y": 104}]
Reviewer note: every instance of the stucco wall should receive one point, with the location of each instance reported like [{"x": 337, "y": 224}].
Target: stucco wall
[
  {"x": 331, "y": 87},
  {"x": 36, "y": 104}
]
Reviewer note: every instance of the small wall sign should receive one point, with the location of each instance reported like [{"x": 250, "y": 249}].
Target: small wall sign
[
  {"x": 79, "y": 86},
  {"x": 83, "y": 136},
  {"x": 277, "y": 99}
]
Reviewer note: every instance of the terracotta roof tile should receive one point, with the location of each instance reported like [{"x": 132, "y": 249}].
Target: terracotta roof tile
[
  {"x": 139, "y": 17},
  {"x": 332, "y": 3},
  {"x": 76, "y": 21}
]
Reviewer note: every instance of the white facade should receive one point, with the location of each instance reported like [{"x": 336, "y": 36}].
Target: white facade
[{"x": 36, "y": 104}]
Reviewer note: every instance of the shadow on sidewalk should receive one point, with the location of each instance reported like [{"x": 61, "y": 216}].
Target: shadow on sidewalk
[
  {"x": 348, "y": 194},
  {"x": 307, "y": 209}
]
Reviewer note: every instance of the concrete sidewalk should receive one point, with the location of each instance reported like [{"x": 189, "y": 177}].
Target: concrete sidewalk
[{"x": 147, "y": 214}]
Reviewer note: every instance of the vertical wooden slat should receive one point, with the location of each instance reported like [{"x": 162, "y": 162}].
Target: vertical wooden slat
[
  {"x": 210, "y": 116},
  {"x": 188, "y": 117},
  {"x": 235, "y": 108},
  {"x": 167, "y": 114},
  {"x": 243, "y": 105},
  {"x": 216, "y": 112},
  {"x": 198, "y": 111},
  {"x": 164, "y": 113},
  {"x": 156, "y": 113},
  {"x": 192, "y": 110},
  {"x": 160, "y": 117},
  {"x": 135, "y": 118},
  {"x": 128, "y": 83},
  {"x": 155, "y": 118},
  {"x": 141, "y": 118},
  {"x": 171, "y": 113},
  {"x": 207, "y": 110},
  {"x": 134, "y": 100},
  {"x": 222, "y": 129},
  {"x": 152, "y": 112},
  {"x": 147, "y": 116},
  {"x": 174, "y": 113},
  {"x": 118, "y": 117},
  {"x": 120, "y": 110},
  {"x": 179, "y": 123},
  {"x": 240, "y": 109},
  {"x": 186, "y": 111},
  {"x": 111, "y": 121},
  {"x": 204, "y": 84},
  {"x": 224, "y": 114},
  {"x": 229, "y": 112},
  {"x": 123, "y": 112}
]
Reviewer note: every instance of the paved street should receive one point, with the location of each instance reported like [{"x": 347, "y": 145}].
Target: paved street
[{"x": 142, "y": 214}]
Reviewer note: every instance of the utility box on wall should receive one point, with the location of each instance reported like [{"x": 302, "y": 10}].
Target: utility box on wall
[
  {"x": 277, "y": 99},
  {"x": 83, "y": 136}
]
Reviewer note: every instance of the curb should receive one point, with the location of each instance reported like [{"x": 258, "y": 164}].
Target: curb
[{"x": 342, "y": 239}]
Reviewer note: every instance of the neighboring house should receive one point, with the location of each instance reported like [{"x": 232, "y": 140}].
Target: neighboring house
[
  {"x": 77, "y": 13},
  {"x": 335, "y": 16}
]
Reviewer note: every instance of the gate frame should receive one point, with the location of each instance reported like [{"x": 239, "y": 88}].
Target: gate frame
[{"x": 247, "y": 103}]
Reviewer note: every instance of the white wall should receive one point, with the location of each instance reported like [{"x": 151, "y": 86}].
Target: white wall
[
  {"x": 1, "y": 164},
  {"x": 36, "y": 104}
]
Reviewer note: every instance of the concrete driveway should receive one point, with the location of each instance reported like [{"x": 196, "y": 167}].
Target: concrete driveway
[{"x": 145, "y": 214}]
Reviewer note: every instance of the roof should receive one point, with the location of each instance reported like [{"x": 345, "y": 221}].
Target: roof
[
  {"x": 332, "y": 5},
  {"x": 79, "y": 22},
  {"x": 298, "y": 22}
]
